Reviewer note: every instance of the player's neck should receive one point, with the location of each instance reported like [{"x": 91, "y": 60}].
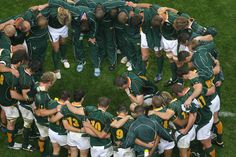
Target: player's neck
[{"x": 102, "y": 109}]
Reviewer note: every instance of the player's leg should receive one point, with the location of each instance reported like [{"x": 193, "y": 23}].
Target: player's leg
[
  {"x": 160, "y": 61},
  {"x": 54, "y": 35},
  {"x": 63, "y": 48},
  {"x": 3, "y": 121},
  {"x": 170, "y": 47},
  {"x": 74, "y": 151},
  {"x": 217, "y": 124},
  {"x": 84, "y": 153},
  {"x": 100, "y": 38},
  {"x": 139, "y": 64},
  {"x": 56, "y": 149},
  {"x": 28, "y": 118},
  {"x": 95, "y": 58},
  {"x": 43, "y": 141},
  {"x": 144, "y": 48},
  {"x": 77, "y": 40},
  {"x": 11, "y": 114},
  {"x": 204, "y": 136},
  {"x": 110, "y": 46}
]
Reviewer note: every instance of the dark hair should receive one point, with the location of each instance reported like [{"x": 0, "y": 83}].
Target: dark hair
[
  {"x": 120, "y": 80},
  {"x": 65, "y": 95},
  {"x": 177, "y": 88},
  {"x": 136, "y": 20},
  {"x": 113, "y": 12},
  {"x": 78, "y": 95},
  {"x": 104, "y": 101},
  {"x": 122, "y": 109},
  {"x": 156, "y": 21},
  {"x": 35, "y": 66},
  {"x": 19, "y": 56},
  {"x": 99, "y": 12},
  {"x": 184, "y": 37},
  {"x": 139, "y": 110},
  {"x": 183, "y": 70},
  {"x": 84, "y": 26},
  {"x": 182, "y": 55}
]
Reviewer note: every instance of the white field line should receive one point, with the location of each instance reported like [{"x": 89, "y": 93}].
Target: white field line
[{"x": 227, "y": 114}]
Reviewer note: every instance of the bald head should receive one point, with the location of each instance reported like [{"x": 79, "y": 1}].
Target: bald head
[
  {"x": 9, "y": 30},
  {"x": 122, "y": 17}
]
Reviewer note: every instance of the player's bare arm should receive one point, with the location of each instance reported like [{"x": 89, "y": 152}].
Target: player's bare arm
[
  {"x": 75, "y": 110},
  {"x": 197, "y": 90},
  {"x": 71, "y": 128},
  {"x": 191, "y": 120},
  {"x": 144, "y": 144},
  {"x": 55, "y": 118},
  {"x": 14, "y": 72},
  {"x": 15, "y": 95},
  {"x": 119, "y": 123},
  {"x": 99, "y": 134},
  {"x": 139, "y": 5},
  {"x": 45, "y": 112},
  {"x": 164, "y": 115}
]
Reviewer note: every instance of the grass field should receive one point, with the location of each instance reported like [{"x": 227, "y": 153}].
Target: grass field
[{"x": 220, "y": 14}]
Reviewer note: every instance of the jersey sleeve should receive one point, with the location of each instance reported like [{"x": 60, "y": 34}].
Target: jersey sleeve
[
  {"x": 130, "y": 138},
  {"x": 163, "y": 133},
  {"x": 109, "y": 118},
  {"x": 64, "y": 110},
  {"x": 5, "y": 57}
]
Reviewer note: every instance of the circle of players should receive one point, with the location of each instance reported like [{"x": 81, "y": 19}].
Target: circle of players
[{"x": 159, "y": 122}]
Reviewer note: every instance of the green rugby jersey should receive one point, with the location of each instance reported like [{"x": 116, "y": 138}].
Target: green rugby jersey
[
  {"x": 203, "y": 62},
  {"x": 7, "y": 82},
  {"x": 5, "y": 42},
  {"x": 140, "y": 86},
  {"x": 42, "y": 101},
  {"x": 101, "y": 121},
  {"x": 35, "y": 30},
  {"x": 51, "y": 14},
  {"x": 167, "y": 29},
  {"x": 5, "y": 57},
  {"x": 26, "y": 81},
  {"x": 153, "y": 35},
  {"x": 77, "y": 13},
  {"x": 146, "y": 130},
  {"x": 203, "y": 112},
  {"x": 119, "y": 134},
  {"x": 58, "y": 126},
  {"x": 74, "y": 120},
  {"x": 180, "y": 111}
]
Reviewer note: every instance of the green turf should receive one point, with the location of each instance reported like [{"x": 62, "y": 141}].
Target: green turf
[{"x": 220, "y": 14}]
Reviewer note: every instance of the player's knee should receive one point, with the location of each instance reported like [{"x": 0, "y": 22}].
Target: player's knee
[{"x": 11, "y": 123}]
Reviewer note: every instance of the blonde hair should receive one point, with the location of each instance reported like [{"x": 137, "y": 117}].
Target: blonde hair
[
  {"x": 180, "y": 23},
  {"x": 64, "y": 16},
  {"x": 167, "y": 97},
  {"x": 48, "y": 77}
]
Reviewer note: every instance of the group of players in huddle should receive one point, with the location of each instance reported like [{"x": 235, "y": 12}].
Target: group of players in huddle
[{"x": 159, "y": 122}]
